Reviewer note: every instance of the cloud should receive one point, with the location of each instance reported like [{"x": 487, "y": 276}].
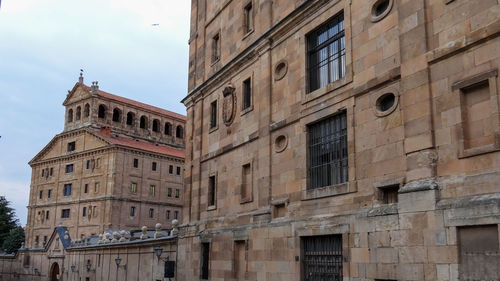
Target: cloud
[{"x": 18, "y": 194}]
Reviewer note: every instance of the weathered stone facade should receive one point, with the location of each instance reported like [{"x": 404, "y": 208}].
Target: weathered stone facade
[
  {"x": 414, "y": 87},
  {"x": 105, "y": 171}
]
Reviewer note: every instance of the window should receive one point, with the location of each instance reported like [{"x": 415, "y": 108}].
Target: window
[
  {"x": 86, "y": 188},
  {"x": 326, "y": 53},
  {"x": 179, "y": 132},
  {"x": 240, "y": 259},
  {"x": 169, "y": 192},
  {"x": 328, "y": 152},
  {"x": 134, "y": 187},
  {"x": 153, "y": 166},
  {"x": 47, "y": 214},
  {"x": 247, "y": 93},
  {"x": 49, "y": 193},
  {"x": 248, "y": 18},
  {"x": 96, "y": 187},
  {"x": 204, "y": 257},
  {"x": 51, "y": 171},
  {"x": 37, "y": 239},
  {"x": 177, "y": 193},
  {"x": 215, "y": 48},
  {"x": 44, "y": 239},
  {"x": 102, "y": 111},
  {"x": 156, "y": 125},
  {"x": 65, "y": 213},
  {"x": 84, "y": 212},
  {"x": 176, "y": 215},
  {"x": 212, "y": 189},
  {"x": 143, "y": 124},
  {"x": 322, "y": 257},
  {"x": 170, "y": 169},
  {"x": 132, "y": 211},
  {"x": 151, "y": 213},
  {"x": 152, "y": 190},
  {"x": 178, "y": 171},
  {"x": 41, "y": 194},
  {"x": 136, "y": 163},
  {"x": 246, "y": 183},
  {"x": 168, "y": 214},
  {"x": 117, "y": 115},
  {"x": 130, "y": 118},
  {"x": 71, "y": 146},
  {"x": 69, "y": 168},
  {"x": 67, "y": 189},
  {"x": 390, "y": 194},
  {"x": 88, "y": 164},
  {"x": 70, "y": 115},
  {"x": 86, "y": 111},
  {"x": 78, "y": 114},
  {"x": 168, "y": 129},
  {"x": 476, "y": 107},
  {"x": 213, "y": 114},
  {"x": 43, "y": 173}
]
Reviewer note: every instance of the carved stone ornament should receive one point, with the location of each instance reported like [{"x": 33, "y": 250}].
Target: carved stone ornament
[{"x": 229, "y": 105}]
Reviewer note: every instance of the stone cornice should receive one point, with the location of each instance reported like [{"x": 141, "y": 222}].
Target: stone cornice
[{"x": 104, "y": 198}]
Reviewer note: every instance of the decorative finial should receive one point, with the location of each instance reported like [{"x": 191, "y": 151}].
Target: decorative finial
[{"x": 80, "y": 79}]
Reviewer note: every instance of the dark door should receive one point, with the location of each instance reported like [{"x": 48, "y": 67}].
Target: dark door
[{"x": 55, "y": 275}]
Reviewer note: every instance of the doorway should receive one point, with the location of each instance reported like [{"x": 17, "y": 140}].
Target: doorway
[{"x": 55, "y": 274}]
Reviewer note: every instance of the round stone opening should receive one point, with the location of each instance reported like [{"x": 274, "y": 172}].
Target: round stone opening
[
  {"x": 385, "y": 102},
  {"x": 380, "y": 9},
  {"x": 280, "y": 143}
]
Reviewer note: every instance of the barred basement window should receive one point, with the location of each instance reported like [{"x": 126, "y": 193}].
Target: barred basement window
[
  {"x": 326, "y": 53},
  {"x": 328, "y": 152},
  {"x": 322, "y": 258}
]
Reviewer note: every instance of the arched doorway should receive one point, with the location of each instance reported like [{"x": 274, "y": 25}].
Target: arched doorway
[{"x": 55, "y": 274}]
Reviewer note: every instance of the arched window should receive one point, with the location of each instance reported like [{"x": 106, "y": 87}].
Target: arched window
[
  {"x": 86, "y": 111},
  {"x": 102, "y": 111},
  {"x": 179, "y": 133},
  {"x": 78, "y": 113},
  {"x": 156, "y": 125},
  {"x": 116, "y": 115},
  {"x": 130, "y": 118},
  {"x": 144, "y": 122},
  {"x": 168, "y": 129},
  {"x": 70, "y": 115}
]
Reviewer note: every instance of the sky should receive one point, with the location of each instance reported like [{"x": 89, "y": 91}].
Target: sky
[{"x": 43, "y": 46}]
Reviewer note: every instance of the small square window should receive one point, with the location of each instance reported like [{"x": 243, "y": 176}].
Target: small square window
[
  {"x": 153, "y": 166},
  {"x": 390, "y": 194},
  {"x": 71, "y": 146},
  {"x": 69, "y": 168},
  {"x": 136, "y": 163},
  {"x": 65, "y": 213}
]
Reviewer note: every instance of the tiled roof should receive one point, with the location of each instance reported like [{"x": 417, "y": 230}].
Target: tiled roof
[
  {"x": 139, "y": 144},
  {"x": 136, "y": 103}
]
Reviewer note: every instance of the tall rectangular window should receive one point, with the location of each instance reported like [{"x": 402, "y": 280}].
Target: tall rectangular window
[
  {"x": 65, "y": 213},
  {"x": 153, "y": 166},
  {"x": 169, "y": 192},
  {"x": 178, "y": 171},
  {"x": 41, "y": 194},
  {"x": 168, "y": 214},
  {"x": 51, "y": 171},
  {"x": 151, "y": 213},
  {"x": 67, "y": 189},
  {"x": 328, "y": 151},
  {"x": 248, "y": 18},
  {"x": 247, "y": 93},
  {"x": 170, "y": 169},
  {"x": 71, "y": 146},
  {"x": 322, "y": 258},
  {"x": 152, "y": 190},
  {"x": 204, "y": 257},
  {"x": 49, "y": 193},
  {"x": 176, "y": 215},
  {"x": 216, "y": 48},
  {"x": 212, "y": 190},
  {"x": 134, "y": 187},
  {"x": 246, "y": 182},
  {"x": 177, "y": 193},
  {"x": 213, "y": 114},
  {"x": 69, "y": 168},
  {"x": 43, "y": 173},
  {"x": 84, "y": 212},
  {"x": 136, "y": 163},
  {"x": 326, "y": 53},
  {"x": 86, "y": 188},
  {"x": 47, "y": 214},
  {"x": 132, "y": 211},
  {"x": 88, "y": 164}
]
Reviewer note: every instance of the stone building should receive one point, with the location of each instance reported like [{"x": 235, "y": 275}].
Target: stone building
[
  {"x": 118, "y": 164},
  {"x": 342, "y": 140}
]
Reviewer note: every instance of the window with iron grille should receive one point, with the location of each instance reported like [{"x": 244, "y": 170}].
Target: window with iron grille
[
  {"x": 326, "y": 53},
  {"x": 65, "y": 213},
  {"x": 328, "y": 151},
  {"x": 69, "y": 168},
  {"x": 322, "y": 258}
]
